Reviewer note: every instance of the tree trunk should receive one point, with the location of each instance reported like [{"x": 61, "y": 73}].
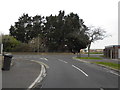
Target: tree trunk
[
  {"x": 89, "y": 50},
  {"x": 78, "y": 54}
]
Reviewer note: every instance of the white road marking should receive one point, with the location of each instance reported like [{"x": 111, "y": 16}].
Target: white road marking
[
  {"x": 36, "y": 80},
  {"x": 41, "y": 63},
  {"x": 62, "y": 61},
  {"x": 110, "y": 71},
  {"x": 44, "y": 59},
  {"x": 114, "y": 73},
  {"x": 80, "y": 70},
  {"x": 40, "y": 77}
]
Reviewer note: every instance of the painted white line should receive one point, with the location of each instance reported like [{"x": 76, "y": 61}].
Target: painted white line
[
  {"x": 62, "y": 61},
  {"x": 37, "y": 79},
  {"x": 41, "y": 63},
  {"x": 110, "y": 71},
  {"x": 114, "y": 73},
  {"x": 44, "y": 59},
  {"x": 80, "y": 70},
  {"x": 40, "y": 77}
]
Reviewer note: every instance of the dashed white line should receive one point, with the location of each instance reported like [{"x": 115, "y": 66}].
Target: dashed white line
[
  {"x": 80, "y": 70},
  {"x": 62, "y": 61}
]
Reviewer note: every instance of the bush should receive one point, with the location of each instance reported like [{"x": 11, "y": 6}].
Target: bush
[
  {"x": 23, "y": 47},
  {"x": 9, "y": 43}
]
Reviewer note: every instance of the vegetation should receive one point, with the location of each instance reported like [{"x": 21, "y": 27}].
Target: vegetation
[
  {"x": 54, "y": 33},
  {"x": 57, "y": 33},
  {"x": 112, "y": 65},
  {"x": 9, "y": 43},
  {"x": 88, "y": 58},
  {"x": 94, "y": 53},
  {"x": 94, "y": 35}
]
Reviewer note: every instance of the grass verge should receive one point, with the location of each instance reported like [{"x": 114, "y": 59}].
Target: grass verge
[
  {"x": 109, "y": 64},
  {"x": 95, "y": 53},
  {"x": 88, "y": 58}
]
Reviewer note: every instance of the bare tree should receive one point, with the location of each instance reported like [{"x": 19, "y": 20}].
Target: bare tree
[{"x": 94, "y": 35}]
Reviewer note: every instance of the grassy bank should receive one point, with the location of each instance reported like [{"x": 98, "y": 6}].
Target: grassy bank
[
  {"x": 95, "y": 53},
  {"x": 109, "y": 64}
]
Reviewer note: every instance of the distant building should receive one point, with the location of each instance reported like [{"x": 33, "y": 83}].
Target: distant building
[
  {"x": 96, "y": 50},
  {"x": 112, "y": 51},
  {"x": 92, "y": 50}
]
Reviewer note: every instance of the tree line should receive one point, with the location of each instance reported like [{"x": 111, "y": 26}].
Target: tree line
[{"x": 54, "y": 33}]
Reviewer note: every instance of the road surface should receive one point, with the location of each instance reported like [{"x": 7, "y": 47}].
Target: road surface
[
  {"x": 21, "y": 75},
  {"x": 65, "y": 72}
]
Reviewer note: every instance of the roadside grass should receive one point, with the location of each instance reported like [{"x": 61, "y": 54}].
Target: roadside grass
[
  {"x": 98, "y": 58},
  {"x": 95, "y": 53},
  {"x": 109, "y": 64}
]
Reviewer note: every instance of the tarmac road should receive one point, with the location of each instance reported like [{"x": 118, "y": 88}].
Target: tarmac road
[{"x": 65, "y": 72}]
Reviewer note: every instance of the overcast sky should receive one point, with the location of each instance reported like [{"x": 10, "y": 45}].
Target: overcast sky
[{"x": 98, "y": 13}]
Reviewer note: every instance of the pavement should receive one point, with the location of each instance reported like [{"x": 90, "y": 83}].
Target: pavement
[{"x": 22, "y": 74}]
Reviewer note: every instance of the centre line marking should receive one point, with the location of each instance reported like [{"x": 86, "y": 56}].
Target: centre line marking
[
  {"x": 80, "y": 70},
  {"x": 62, "y": 61}
]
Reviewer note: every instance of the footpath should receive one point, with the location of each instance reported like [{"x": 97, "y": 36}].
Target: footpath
[{"x": 21, "y": 74}]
